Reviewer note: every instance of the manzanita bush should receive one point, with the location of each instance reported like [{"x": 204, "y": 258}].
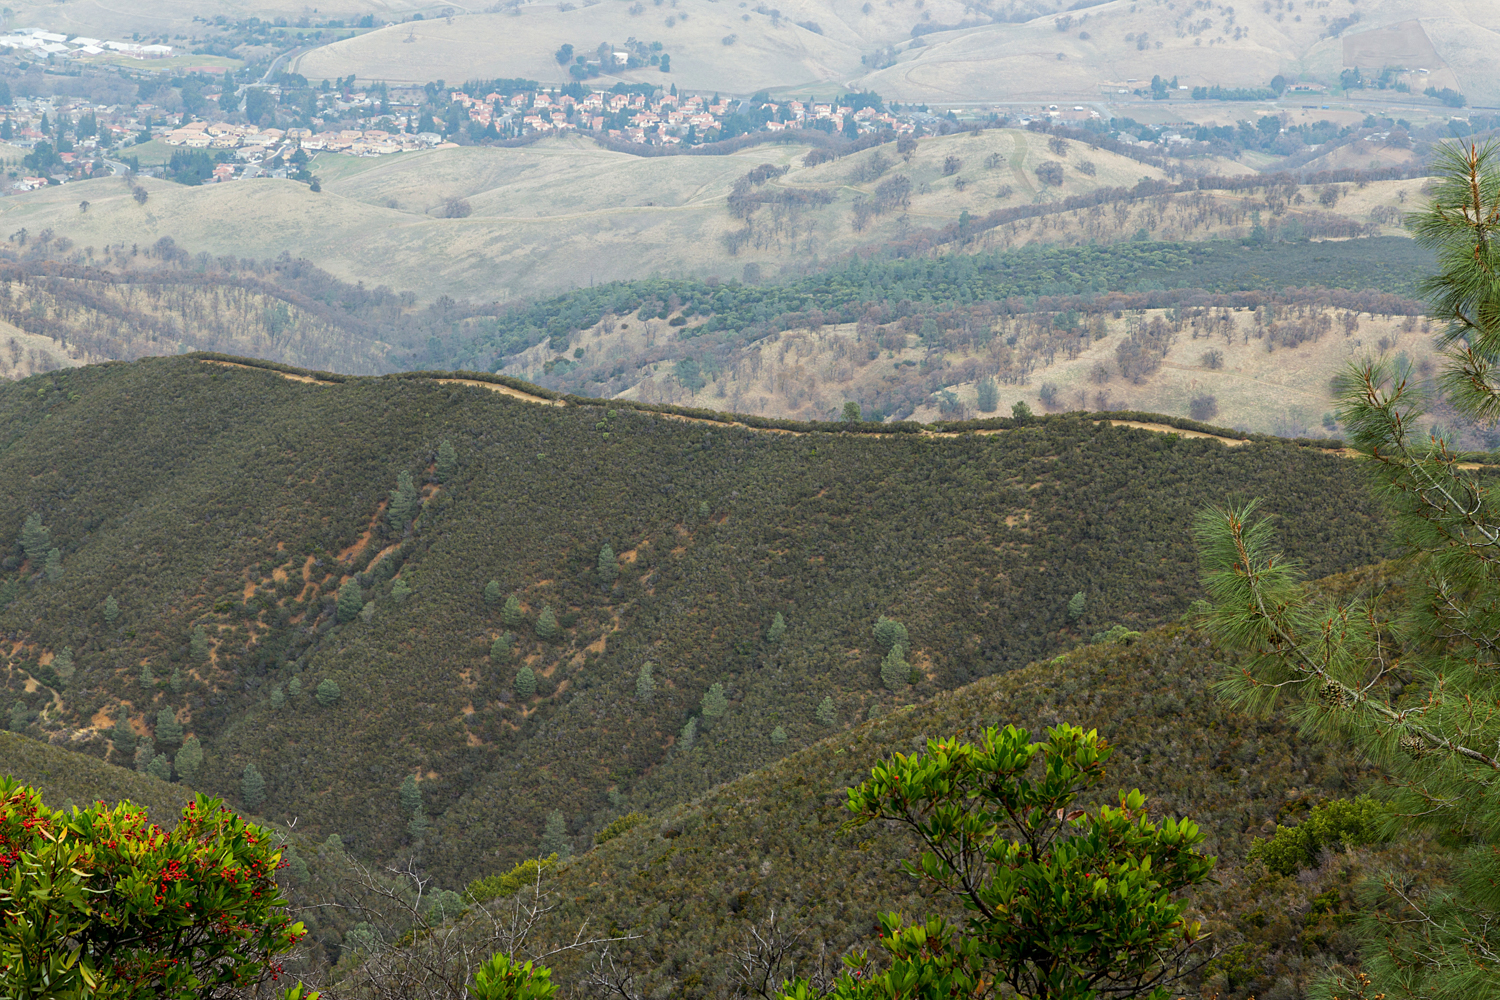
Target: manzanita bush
[{"x": 100, "y": 903}]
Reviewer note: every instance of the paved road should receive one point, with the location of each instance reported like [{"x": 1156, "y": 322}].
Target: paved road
[{"x": 277, "y": 62}]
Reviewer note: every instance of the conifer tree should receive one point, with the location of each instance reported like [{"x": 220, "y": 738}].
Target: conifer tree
[
  {"x": 122, "y": 736},
  {"x": 148, "y": 680},
  {"x": 176, "y": 683},
  {"x": 609, "y": 568},
  {"x": 714, "y": 704},
  {"x": 168, "y": 729},
  {"x": 54, "y": 567},
  {"x": 62, "y": 663},
  {"x": 160, "y": 768},
  {"x": 895, "y": 672},
  {"x": 645, "y": 685},
  {"x": 689, "y": 734},
  {"x": 351, "y": 600},
  {"x": 511, "y": 614},
  {"x": 410, "y": 795},
  {"x": 1077, "y": 605},
  {"x": 500, "y": 648},
  {"x": 400, "y": 590},
  {"x": 492, "y": 592},
  {"x": 889, "y": 632},
  {"x": 298, "y": 867},
  {"x": 198, "y": 644},
  {"x": 777, "y": 631},
  {"x": 328, "y": 692},
  {"x": 778, "y": 736},
  {"x": 1402, "y": 679},
  {"x": 418, "y": 827},
  {"x": 525, "y": 683},
  {"x": 252, "y": 787},
  {"x": 278, "y": 697},
  {"x": 294, "y": 686},
  {"x": 111, "y": 609},
  {"x": 447, "y": 462},
  {"x": 826, "y": 713},
  {"x": 555, "y": 837},
  {"x": 20, "y": 715},
  {"x": 404, "y": 502},
  {"x": 189, "y": 759},
  {"x": 36, "y": 540},
  {"x": 546, "y": 623},
  {"x": 145, "y": 753}
]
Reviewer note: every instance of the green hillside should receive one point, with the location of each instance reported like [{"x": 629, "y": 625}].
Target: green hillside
[
  {"x": 67, "y": 778},
  {"x": 237, "y": 501}
]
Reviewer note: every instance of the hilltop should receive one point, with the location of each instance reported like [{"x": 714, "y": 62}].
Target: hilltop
[{"x": 240, "y": 503}]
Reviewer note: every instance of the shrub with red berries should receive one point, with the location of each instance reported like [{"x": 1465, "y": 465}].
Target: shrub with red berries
[{"x": 99, "y": 902}]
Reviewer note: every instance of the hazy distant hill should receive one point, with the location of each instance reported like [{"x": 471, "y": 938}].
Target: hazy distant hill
[
  {"x": 239, "y": 502},
  {"x": 945, "y": 51}
]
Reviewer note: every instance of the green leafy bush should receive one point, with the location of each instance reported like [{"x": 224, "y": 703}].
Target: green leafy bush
[
  {"x": 510, "y": 882},
  {"x": 627, "y": 822},
  {"x": 1063, "y": 900},
  {"x": 1338, "y": 822},
  {"x": 503, "y": 978}
]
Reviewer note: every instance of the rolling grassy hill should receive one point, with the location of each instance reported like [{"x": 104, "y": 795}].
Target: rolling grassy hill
[
  {"x": 240, "y": 502},
  {"x": 558, "y": 214}
]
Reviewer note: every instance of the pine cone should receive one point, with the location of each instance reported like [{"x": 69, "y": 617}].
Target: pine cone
[
  {"x": 1333, "y": 694},
  {"x": 1413, "y": 746}
]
